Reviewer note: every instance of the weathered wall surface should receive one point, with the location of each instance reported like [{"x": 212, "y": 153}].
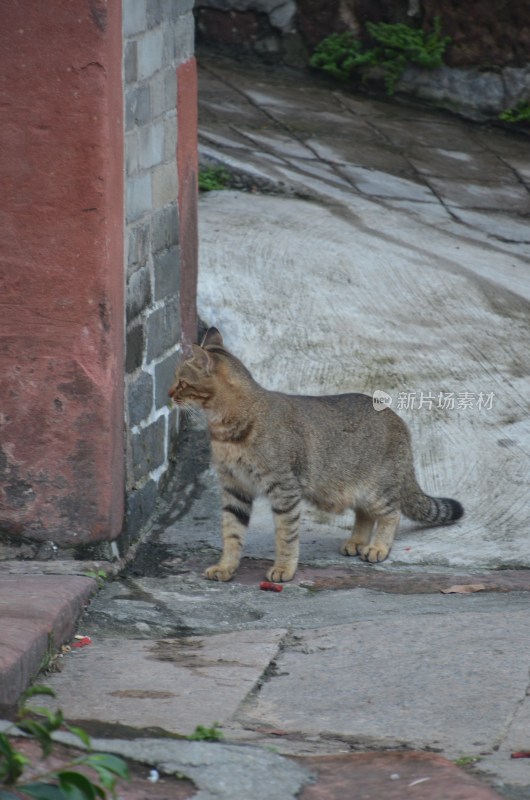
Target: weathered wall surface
[
  {"x": 161, "y": 252},
  {"x": 98, "y": 264},
  {"x": 61, "y": 271}
]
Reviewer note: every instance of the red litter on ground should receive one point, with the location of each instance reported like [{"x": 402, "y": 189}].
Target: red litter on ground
[
  {"x": 268, "y": 586},
  {"x": 81, "y": 641},
  {"x": 521, "y": 754}
]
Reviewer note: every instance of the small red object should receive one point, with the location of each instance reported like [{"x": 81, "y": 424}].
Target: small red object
[
  {"x": 268, "y": 586},
  {"x": 521, "y": 754},
  {"x": 82, "y": 641}
]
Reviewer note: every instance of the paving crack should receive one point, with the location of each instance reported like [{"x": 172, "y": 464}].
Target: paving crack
[{"x": 508, "y": 725}]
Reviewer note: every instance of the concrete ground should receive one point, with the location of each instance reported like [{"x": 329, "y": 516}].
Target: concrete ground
[{"x": 362, "y": 245}]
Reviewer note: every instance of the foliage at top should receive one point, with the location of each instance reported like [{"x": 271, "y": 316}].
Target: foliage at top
[
  {"x": 394, "y": 46},
  {"x": 71, "y": 781}
]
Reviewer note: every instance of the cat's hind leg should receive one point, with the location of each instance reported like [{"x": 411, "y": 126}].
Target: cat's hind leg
[
  {"x": 361, "y": 534},
  {"x": 237, "y": 506}
]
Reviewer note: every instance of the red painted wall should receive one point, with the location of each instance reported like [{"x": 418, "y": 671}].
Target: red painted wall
[
  {"x": 188, "y": 198},
  {"x": 61, "y": 270}
]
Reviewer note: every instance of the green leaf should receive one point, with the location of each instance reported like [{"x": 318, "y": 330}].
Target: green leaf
[
  {"x": 42, "y": 791},
  {"x": 11, "y": 761},
  {"x": 81, "y": 734},
  {"x": 12, "y": 767},
  {"x": 8, "y": 796},
  {"x": 113, "y": 764},
  {"x": 76, "y": 786},
  {"x": 107, "y": 779},
  {"x": 40, "y": 732},
  {"x": 34, "y": 690},
  {"x": 53, "y": 719}
]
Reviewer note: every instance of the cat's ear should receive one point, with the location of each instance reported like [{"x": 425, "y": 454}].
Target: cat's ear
[
  {"x": 212, "y": 336},
  {"x": 201, "y": 360}
]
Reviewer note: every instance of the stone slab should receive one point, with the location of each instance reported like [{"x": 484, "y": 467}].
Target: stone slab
[
  {"x": 451, "y": 683},
  {"x": 37, "y": 614},
  {"x": 168, "y": 684},
  {"x": 219, "y": 771}
]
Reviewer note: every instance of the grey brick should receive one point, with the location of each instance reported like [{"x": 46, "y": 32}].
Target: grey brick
[
  {"x": 164, "y": 91},
  {"x": 159, "y": 11},
  {"x": 180, "y": 7},
  {"x": 139, "y": 196},
  {"x": 158, "y": 99},
  {"x": 164, "y": 228},
  {"x": 163, "y": 329},
  {"x": 166, "y": 269},
  {"x": 164, "y": 376},
  {"x": 134, "y": 17},
  {"x": 134, "y": 353},
  {"x": 179, "y": 41},
  {"x": 148, "y": 448},
  {"x": 137, "y": 106},
  {"x": 140, "y": 507},
  {"x": 139, "y": 292},
  {"x": 130, "y": 62},
  {"x": 170, "y": 88},
  {"x": 165, "y": 184},
  {"x": 155, "y": 13},
  {"x": 170, "y": 136},
  {"x": 151, "y": 139},
  {"x": 132, "y": 152},
  {"x": 150, "y": 53},
  {"x": 140, "y": 398},
  {"x": 139, "y": 245},
  {"x": 173, "y": 435}
]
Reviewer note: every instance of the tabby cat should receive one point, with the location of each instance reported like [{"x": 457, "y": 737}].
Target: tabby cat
[{"x": 336, "y": 452}]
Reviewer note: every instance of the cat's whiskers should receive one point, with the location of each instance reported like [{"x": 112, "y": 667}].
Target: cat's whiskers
[{"x": 192, "y": 411}]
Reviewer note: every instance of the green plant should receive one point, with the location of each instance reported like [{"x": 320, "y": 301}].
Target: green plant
[
  {"x": 100, "y": 576},
  {"x": 204, "y": 734},
  {"x": 70, "y": 781},
  {"x": 213, "y": 178},
  {"x": 339, "y": 54},
  {"x": 466, "y": 761},
  {"x": 518, "y": 113},
  {"x": 395, "y": 46}
]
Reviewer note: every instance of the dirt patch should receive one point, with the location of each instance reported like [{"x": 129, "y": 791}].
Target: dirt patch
[{"x": 390, "y": 775}]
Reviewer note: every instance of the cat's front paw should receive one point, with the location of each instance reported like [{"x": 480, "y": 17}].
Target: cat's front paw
[
  {"x": 374, "y": 553},
  {"x": 349, "y": 548},
  {"x": 279, "y": 573},
  {"x": 219, "y": 573}
]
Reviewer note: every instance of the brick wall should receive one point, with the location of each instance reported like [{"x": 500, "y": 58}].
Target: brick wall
[{"x": 158, "y": 39}]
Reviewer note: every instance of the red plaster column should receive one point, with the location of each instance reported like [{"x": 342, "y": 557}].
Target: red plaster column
[
  {"x": 187, "y": 166},
  {"x": 61, "y": 270}
]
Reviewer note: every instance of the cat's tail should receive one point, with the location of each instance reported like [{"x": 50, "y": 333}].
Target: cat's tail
[{"x": 418, "y": 506}]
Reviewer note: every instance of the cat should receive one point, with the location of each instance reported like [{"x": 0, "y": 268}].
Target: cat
[{"x": 336, "y": 452}]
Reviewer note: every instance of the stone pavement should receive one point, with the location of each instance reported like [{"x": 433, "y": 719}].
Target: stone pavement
[{"x": 363, "y": 245}]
